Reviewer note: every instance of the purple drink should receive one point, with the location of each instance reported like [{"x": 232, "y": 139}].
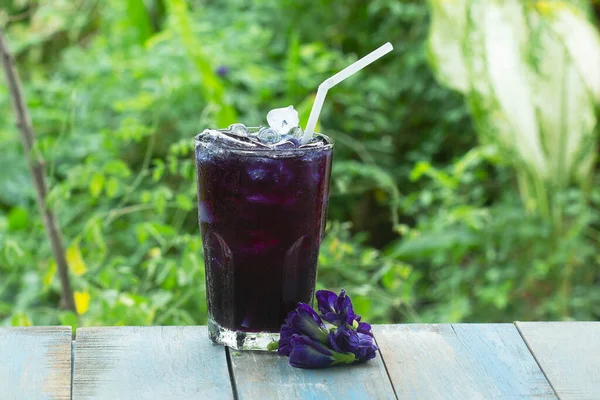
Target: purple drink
[{"x": 262, "y": 213}]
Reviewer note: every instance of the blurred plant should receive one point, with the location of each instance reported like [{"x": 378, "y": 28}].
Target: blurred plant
[
  {"x": 115, "y": 102},
  {"x": 382, "y": 287},
  {"x": 482, "y": 262},
  {"x": 115, "y": 113},
  {"x": 530, "y": 75},
  {"x": 529, "y": 72}
]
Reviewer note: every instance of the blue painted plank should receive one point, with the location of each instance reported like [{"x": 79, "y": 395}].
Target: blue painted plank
[
  {"x": 262, "y": 375},
  {"x": 35, "y": 363},
  {"x": 460, "y": 361},
  {"x": 149, "y": 363},
  {"x": 569, "y": 355}
]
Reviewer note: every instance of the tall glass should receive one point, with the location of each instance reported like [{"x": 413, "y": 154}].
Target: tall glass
[{"x": 262, "y": 214}]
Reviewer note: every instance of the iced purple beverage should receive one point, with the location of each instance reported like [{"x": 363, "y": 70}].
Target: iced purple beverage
[{"x": 262, "y": 213}]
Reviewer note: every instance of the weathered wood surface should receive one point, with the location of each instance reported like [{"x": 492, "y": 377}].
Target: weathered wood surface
[
  {"x": 149, "y": 363},
  {"x": 260, "y": 375},
  {"x": 35, "y": 363},
  {"x": 461, "y": 361},
  {"x": 569, "y": 354}
]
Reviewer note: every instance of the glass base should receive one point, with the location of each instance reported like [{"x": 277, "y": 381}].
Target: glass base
[{"x": 238, "y": 340}]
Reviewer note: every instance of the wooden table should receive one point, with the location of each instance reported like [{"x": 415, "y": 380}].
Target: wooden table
[{"x": 541, "y": 360}]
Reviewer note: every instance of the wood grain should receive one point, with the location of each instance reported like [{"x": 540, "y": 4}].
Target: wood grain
[
  {"x": 569, "y": 355},
  {"x": 149, "y": 363},
  {"x": 262, "y": 375},
  {"x": 35, "y": 363},
  {"x": 461, "y": 361}
]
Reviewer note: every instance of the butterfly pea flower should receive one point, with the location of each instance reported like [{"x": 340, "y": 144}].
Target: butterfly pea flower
[
  {"x": 309, "y": 344},
  {"x": 336, "y": 310},
  {"x": 222, "y": 71},
  {"x": 367, "y": 349},
  {"x": 303, "y": 321},
  {"x": 309, "y": 353},
  {"x": 346, "y": 340},
  {"x": 364, "y": 328}
]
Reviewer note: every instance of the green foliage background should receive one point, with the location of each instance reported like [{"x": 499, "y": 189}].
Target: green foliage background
[{"x": 424, "y": 224}]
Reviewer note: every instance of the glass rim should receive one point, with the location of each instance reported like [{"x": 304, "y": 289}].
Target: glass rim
[{"x": 260, "y": 149}]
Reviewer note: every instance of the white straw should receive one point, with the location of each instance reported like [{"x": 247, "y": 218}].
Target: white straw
[{"x": 334, "y": 80}]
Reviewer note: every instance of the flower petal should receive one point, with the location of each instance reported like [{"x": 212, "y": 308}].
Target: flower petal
[
  {"x": 308, "y": 343},
  {"x": 307, "y": 322},
  {"x": 344, "y": 340},
  {"x": 364, "y": 328},
  {"x": 335, "y": 309},
  {"x": 326, "y": 301},
  {"x": 367, "y": 349},
  {"x": 304, "y": 321},
  {"x": 343, "y": 307},
  {"x": 285, "y": 338},
  {"x": 308, "y": 353}
]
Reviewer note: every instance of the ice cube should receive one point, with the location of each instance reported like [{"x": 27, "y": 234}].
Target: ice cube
[
  {"x": 283, "y": 119},
  {"x": 211, "y": 136},
  {"x": 268, "y": 136},
  {"x": 238, "y": 130},
  {"x": 253, "y": 132},
  {"x": 296, "y": 132},
  {"x": 288, "y": 142},
  {"x": 208, "y": 137}
]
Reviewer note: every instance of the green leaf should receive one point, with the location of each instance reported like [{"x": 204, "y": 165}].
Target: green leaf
[
  {"x": 49, "y": 274},
  {"x": 75, "y": 260},
  {"x": 68, "y": 318},
  {"x": 184, "y": 202},
  {"x": 117, "y": 168},
  {"x": 112, "y": 187},
  {"x": 139, "y": 19},
  {"x": 95, "y": 233},
  {"x": 18, "y": 219},
  {"x": 20, "y": 319},
  {"x": 97, "y": 184},
  {"x": 431, "y": 242},
  {"x": 159, "y": 170}
]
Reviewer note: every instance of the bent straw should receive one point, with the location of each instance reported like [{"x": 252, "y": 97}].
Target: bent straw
[{"x": 334, "y": 80}]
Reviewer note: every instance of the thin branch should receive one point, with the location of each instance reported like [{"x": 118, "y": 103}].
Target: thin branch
[
  {"x": 24, "y": 15},
  {"x": 36, "y": 168}
]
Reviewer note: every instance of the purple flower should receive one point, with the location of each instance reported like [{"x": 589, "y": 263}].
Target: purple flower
[
  {"x": 364, "y": 328},
  {"x": 303, "y": 321},
  {"x": 308, "y": 353},
  {"x": 347, "y": 340},
  {"x": 367, "y": 348},
  {"x": 308, "y": 343},
  {"x": 335, "y": 309},
  {"x": 222, "y": 71},
  {"x": 344, "y": 340},
  {"x": 285, "y": 340}
]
